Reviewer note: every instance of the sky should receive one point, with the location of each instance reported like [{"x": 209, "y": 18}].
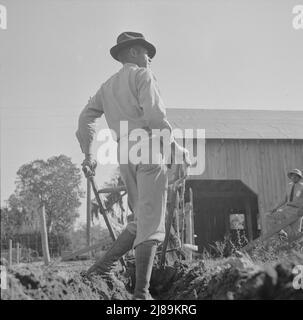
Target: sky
[{"x": 54, "y": 55}]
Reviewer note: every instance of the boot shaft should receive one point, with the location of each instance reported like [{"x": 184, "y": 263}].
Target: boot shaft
[{"x": 145, "y": 254}]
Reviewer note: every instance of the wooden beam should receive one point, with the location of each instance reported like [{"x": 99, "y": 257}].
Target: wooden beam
[
  {"x": 248, "y": 218},
  {"x": 263, "y": 222},
  {"x": 222, "y": 194},
  {"x": 83, "y": 251}
]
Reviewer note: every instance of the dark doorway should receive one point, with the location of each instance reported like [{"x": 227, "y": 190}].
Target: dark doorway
[{"x": 223, "y": 208}]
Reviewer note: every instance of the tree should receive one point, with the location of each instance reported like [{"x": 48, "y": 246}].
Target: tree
[
  {"x": 55, "y": 183},
  {"x": 10, "y": 222}
]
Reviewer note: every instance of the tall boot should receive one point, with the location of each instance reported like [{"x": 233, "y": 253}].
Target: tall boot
[
  {"x": 121, "y": 246},
  {"x": 145, "y": 254}
]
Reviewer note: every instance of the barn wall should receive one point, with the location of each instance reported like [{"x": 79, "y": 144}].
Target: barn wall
[{"x": 261, "y": 164}]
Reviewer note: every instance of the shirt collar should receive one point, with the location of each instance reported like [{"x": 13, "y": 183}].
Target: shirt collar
[{"x": 129, "y": 64}]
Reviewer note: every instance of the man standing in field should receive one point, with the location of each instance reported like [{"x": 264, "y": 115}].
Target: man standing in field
[{"x": 132, "y": 96}]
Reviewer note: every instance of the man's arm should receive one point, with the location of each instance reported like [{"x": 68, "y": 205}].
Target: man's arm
[
  {"x": 298, "y": 201},
  {"x": 150, "y": 100},
  {"x": 86, "y": 123},
  {"x": 280, "y": 204}
]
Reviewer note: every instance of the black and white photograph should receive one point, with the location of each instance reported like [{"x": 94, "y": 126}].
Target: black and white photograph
[{"x": 151, "y": 150}]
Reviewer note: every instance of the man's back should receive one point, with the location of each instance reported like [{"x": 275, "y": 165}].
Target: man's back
[
  {"x": 123, "y": 97},
  {"x": 297, "y": 193},
  {"x": 131, "y": 95}
]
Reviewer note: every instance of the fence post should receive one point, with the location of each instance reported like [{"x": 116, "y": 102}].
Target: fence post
[
  {"x": 18, "y": 253},
  {"x": 44, "y": 238},
  {"x": 10, "y": 252},
  {"x": 189, "y": 224}
]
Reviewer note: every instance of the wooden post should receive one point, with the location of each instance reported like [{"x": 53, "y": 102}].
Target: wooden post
[
  {"x": 191, "y": 201},
  {"x": 189, "y": 227},
  {"x": 29, "y": 254},
  {"x": 10, "y": 253},
  {"x": 18, "y": 252},
  {"x": 177, "y": 217},
  {"x": 248, "y": 219},
  {"x": 44, "y": 237},
  {"x": 189, "y": 234},
  {"x": 263, "y": 216},
  {"x": 173, "y": 201},
  {"x": 88, "y": 212}
]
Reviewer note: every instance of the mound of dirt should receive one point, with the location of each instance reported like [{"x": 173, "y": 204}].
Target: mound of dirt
[
  {"x": 228, "y": 279},
  {"x": 30, "y": 282}
]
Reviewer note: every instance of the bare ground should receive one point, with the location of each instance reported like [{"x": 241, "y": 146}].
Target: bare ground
[{"x": 236, "y": 277}]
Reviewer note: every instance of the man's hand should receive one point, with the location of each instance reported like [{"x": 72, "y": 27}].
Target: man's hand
[
  {"x": 180, "y": 155},
  {"x": 180, "y": 162},
  {"x": 89, "y": 165},
  {"x": 283, "y": 235}
]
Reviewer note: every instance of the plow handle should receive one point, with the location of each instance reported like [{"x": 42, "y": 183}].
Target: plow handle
[{"x": 90, "y": 176}]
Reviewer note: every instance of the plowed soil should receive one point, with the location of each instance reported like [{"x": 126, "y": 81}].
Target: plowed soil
[{"x": 227, "y": 279}]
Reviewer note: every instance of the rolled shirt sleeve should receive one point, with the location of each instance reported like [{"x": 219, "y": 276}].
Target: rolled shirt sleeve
[{"x": 87, "y": 122}]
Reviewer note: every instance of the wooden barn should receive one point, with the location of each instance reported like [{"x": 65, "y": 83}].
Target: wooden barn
[{"x": 247, "y": 156}]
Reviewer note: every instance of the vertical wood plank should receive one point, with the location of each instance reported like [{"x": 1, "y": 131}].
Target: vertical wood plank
[
  {"x": 263, "y": 193},
  {"x": 248, "y": 219},
  {"x": 237, "y": 158}
]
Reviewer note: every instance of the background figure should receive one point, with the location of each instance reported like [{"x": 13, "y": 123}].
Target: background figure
[{"x": 292, "y": 202}]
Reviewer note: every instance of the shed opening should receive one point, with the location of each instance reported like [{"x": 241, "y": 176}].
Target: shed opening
[{"x": 223, "y": 209}]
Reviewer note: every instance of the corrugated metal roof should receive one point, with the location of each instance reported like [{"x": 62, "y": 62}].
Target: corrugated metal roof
[{"x": 239, "y": 124}]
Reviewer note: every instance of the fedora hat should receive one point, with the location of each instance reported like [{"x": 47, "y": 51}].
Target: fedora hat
[
  {"x": 127, "y": 39},
  {"x": 295, "y": 171}
]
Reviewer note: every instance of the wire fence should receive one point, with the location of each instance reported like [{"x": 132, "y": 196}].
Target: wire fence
[{"x": 30, "y": 246}]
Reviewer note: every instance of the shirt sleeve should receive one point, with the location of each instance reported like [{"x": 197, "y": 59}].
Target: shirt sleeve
[
  {"x": 299, "y": 194},
  {"x": 150, "y": 100},
  {"x": 87, "y": 122}
]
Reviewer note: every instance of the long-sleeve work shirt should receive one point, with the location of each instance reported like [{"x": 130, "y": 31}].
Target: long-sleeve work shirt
[{"x": 129, "y": 95}]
